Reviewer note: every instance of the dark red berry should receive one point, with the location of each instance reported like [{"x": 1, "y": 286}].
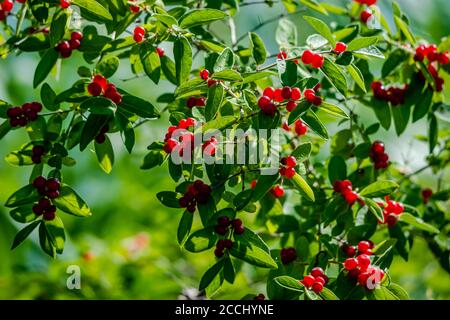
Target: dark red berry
[{"x": 39, "y": 182}]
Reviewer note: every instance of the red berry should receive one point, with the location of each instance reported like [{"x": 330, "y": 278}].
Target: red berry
[
  {"x": 290, "y": 106},
  {"x": 289, "y": 173},
  {"x": 253, "y": 184},
  {"x": 200, "y": 102},
  {"x": 218, "y": 253},
  {"x": 53, "y": 194},
  {"x": 308, "y": 281},
  {"x": 38, "y": 150},
  {"x": 76, "y": 35},
  {"x": 65, "y": 4},
  {"x": 426, "y": 194},
  {"x": 282, "y": 55},
  {"x": 138, "y": 37},
  {"x": 340, "y": 47},
  {"x": 264, "y": 101},
  {"x": 211, "y": 82},
  {"x": 317, "y": 287},
  {"x": 286, "y": 93},
  {"x": 63, "y": 46},
  {"x": 135, "y": 9},
  {"x": 53, "y": 184},
  {"x": 94, "y": 89},
  {"x": 363, "y": 246},
  {"x": 36, "y": 107},
  {"x": 320, "y": 279},
  {"x": 101, "y": 80},
  {"x": 270, "y": 109},
  {"x": 317, "y": 101},
  {"x": 363, "y": 261},
  {"x": 170, "y": 145},
  {"x": 317, "y": 61},
  {"x": 307, "y": 57},
  {"x": 191, "y": 208},
  {"x": 350, "y": 264},
  {"x": 74, "y": 44},
  {"x": 378, "y": 147},
  {"x": 269, "y": 92},
  {"x": 236, "y": 223},
  {"x": 139, "y": 30},
  {"x": 228, "y": 244},
  {"x": 365, "y": 16},
  {"x": 49, "y": 216},
  {"x": 260, "y": 297},
  {"x": 350, "y": 251},
  {"x": 239, "y": 230},
  {"x": 350, "y": 196},
  {"x": 191, "y": 102},
  {"x": 160, "y": 52},
  {"x": 391, "y": 220},
  {"x": 277, "y": 191},
  {"x": 221, "y": 230},
  {"x": 310, "y": 95},
  {"x": 317, "y": 272},
  {"x": 223, "y": 221},
  {"x": 289, "y": 161},
  {"x": 7, "y": 5},
  {"x": 296, "y": 94},
  {"x": 285, "y": 127},
  {"x": 300, "y": 127},
  {"x": 362, "y": 278},
  {"x": 278, "y": 97},
  {"x": 38, "y": 210},
  {"x": 444, "y": 58},
  {"x": 204, "y": 74},
  {"x": 39, "y": 182}
]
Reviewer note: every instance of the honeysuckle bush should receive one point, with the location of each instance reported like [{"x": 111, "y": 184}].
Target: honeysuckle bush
[{"x": 309, "y": 222}]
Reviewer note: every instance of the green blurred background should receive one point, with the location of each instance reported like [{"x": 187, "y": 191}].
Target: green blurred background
[{"x": 128, "y": 248}]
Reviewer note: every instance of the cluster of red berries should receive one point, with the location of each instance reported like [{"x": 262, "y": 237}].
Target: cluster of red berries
[
  {"x": 394, "y": 95},
  {"x": 204, "y": 75},
  {"x": 287, "y": 168},
  {"x": 299, "y": 127},
  {"x": 221, "y": 245},
  {"x": 277, "y": 191},
  {"x": 311, "y": 97},
  {"x": 431, "y": 53},
  {"x": 6, "y": 7},
  {"x": 197, "y": 193},
  {"x": 139, "y": 34},
  {"x": 340, "y": 48},
  {"x": 134, "y": 8},
  {"x": 316, "y": 280},
  {"x": 378, "y": 155},
  {"x": 391, "y": 211},
  {"x": 100, "y": 85},
  {"x": 288, "y": 255},
  {"x": 344, "y": 187},
  {"x": 20, "y": 116},
  {"x": 259, "y": 297},
  {"x": 37, "y": 153},
  {"x": 186, "y": 137},
  {"x": 195, "y": 102},
  {"x": 426, "y": 195},
  {"x": 367, "y": 2},
  {"x": 65, "y": 47},
  {"x": 224, "y": 224},
  {"x": 49, "y": 189},
  {"x": 361, "y": 270},
  {"x": 364, "y": 247},
  {"x": 65, "y": 4},
  {"x": 438, "y": 80},
  {"x": 365, "y": 15},
  {"x": 316, "y": 60},
  {"x": 101, "y": 137},
  {"x": 270, "y": 95}
]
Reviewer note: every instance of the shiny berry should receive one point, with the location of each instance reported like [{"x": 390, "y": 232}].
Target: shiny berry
[
  {"x": 350, "y": 264},
  {"x": 363, "y": 246},
  {"x": 317, "y": 61},
  {"x": 308, "y": 281},
  {"x": 282, "y": 55},
  {"x": 286, "y": 93},
  {"x": 296, "y": 94},
  {"x": 307, "y": 57},
  {"x": 160, "y": 52},
  {"x": 317, "y": 272},
  {"x": 204, "y": 74},
  {"x": 300, "y": 128},
  {"x": 340, "y": 47},
  {"x": 365, "y": 16},
  {"x": 39, "y": 182},
  {"x": 269, "y": 92},
  {"x": 277, "y": 191},
  {"x": 317, "y": 287}
]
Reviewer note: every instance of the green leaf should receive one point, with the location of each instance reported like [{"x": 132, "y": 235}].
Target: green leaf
[
  {"x": 322, "y": 28},
  {"x": 360, "y": 43},
  {"x": 288, "y": 75},
  {"x": 182, "y": 53},
  {"x": 345, "y": 59},
  {"x": 263, "y": 185},
  {"x": 215, "y": 98},
  {"x": 44, "y": 66},
  {"x": 108, "y": 66},
  {"x": 138, "y": 106},
  {"x": 382, "y": 293},
  {"x": 304, "y": 187},
  {"x": 94, "y": 8},
  {"x": 327, "y": 294},
  {"x": 252, "y": 254},
  {"x": 229, "y": 273},
  {"x": 201, "y": 240},
  {"x": 24, "y": 233},
  {"x": 55, "y": 229},
  {"x": 151, "y": 62},
  {"x": 169, "y": 70},
  {"x": 48, "y": 97},
  {"x": 258, "y": 48},
  {"x": 302, "y": 152},
  {"x": 379, "y": 188},
  {"x": 417, "y": 222},
  {"x": 383, "y": 112},
  {"x": 395, "y": 59},
  {"x": 313, "y": 4},
  {"x": 315, "y": 124},
  {"x": 199, "y": 17},
  {"x": 225, "y": 61},
  {"x": 337, "y": 169},
  {"x": 403, "y": 27},
  {"x": 433, "y": 132},
  {"x": 70, "y": 202},
  {"x": 286, "y": 33},
  {"x": 333, "y": 109},
  {"x": 302, "y": 107},
  {"x": 45, "y": 240},
  {"x": 184, "y": 227},
  {"x": 401, "y": 118},
  {"x": 58, "y": 26},
  {"x": 18, "y": 158},
  {"x": 290, "y": 283},
  {"x": 357, "y": 75},
  {"x": 4, "y": 129},
  {"x": 25, "y": 195},
  {"x": 210, "y": 274},
  {"x": 398, "y": 291},
  {"x": 152, "y": 159},
  {"x": 99, "y": 105},
  {"x": 423, "y": 105},
  {"x": 105, "y": 155},
  {"x": 335, "y": 75},
  {"x": 168, "y": 198},
  {"x": 23, "y": 214},
  {"x": 92, "y": 127},
  {"x": 228, "y": 75},
  {"x": 371, "y": 52},
  {"x": 375, "y": 209}
]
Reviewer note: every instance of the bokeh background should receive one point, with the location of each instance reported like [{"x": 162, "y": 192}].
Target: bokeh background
[{"x": 128, "y": 248}]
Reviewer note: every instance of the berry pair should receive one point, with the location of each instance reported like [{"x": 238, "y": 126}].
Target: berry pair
[
  {"x": 221, "y": 245},
  {"x": 437, "y": 80},
  {"x": 183, "y": 136},
  {"x": 47, "y": 188},
  {"x": 299, "y": 127},
  {"x": 316, "y": 280},
  {"x": 391, "y": 211},
  {"x": 287, "y": 168},
  {"x": 394, "y": 95},
  {"x": 65, "y": 47},
  {"x": 277, "y": 191},
  {"x": 267, "y": 102},
  {"x": 195, "y": 102},
  {"x": 37, "y": 153},
  {"x": 311, "y": 97},
  {"x": 431, "y": 53},
  {"x": 139, "y": 34},
  {"x": 21, "y": 116},
  {"x": 378, "y": 155},
  {"x": 344, "y": 187},
  {"x": 316, "y": 60},
  {"x": 224, "y": 224},
  {"x": 197, "y": 193},
  {"x": 45, "y": 208},
  {"x": 100, "y": 85},
  {"x": 101, "y": 137},
  {"x": 204, "y": 75},
  {"x": 364, "y": 247},
  {"x": 288, "y": 255},
  {"x": 363, "y": 272},
  {"x": 426, "y": 195}
]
